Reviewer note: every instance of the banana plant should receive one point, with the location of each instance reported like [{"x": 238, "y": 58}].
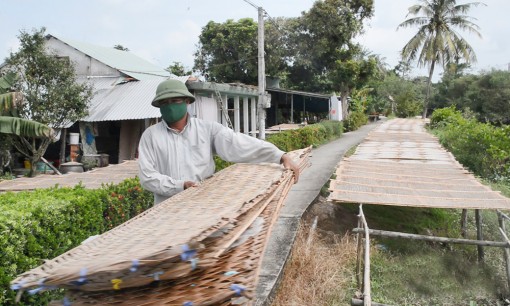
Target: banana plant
[
  {"x": 14, "y": 127},
  {"x": 24, "y": 127}
]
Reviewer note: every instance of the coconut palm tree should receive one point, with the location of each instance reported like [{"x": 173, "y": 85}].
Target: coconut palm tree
[{"x": 437, "y": 39}]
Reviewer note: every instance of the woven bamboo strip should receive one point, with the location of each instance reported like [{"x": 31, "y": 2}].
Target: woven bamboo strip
[
  {"x": 116, "y": 251},
  {"x": 398, "y": 166},
  {"x": 401, "y": 164},
  {"x": 210, "y": 286},
  {"x": 418, "y": 201},
  {"x": 435, "y": 193},
  {"x": 367, "y": 181}
]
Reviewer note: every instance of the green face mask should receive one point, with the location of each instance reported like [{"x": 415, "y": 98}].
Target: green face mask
[{"x": 173, "y": 112}]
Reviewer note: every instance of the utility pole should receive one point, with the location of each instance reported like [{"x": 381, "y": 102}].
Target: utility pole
[{"x": 262, "y": 76}]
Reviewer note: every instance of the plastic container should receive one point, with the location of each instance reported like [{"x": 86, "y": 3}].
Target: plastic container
[
  {"x": 42, "y": 167},
  {"x": 74, "y": 138}
]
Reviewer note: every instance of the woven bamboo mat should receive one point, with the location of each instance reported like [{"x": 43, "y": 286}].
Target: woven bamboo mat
[
  {"x": 113, "y": 174},
  {"x": 399, "y": 163},
  {"x": 176, "y": 241}
]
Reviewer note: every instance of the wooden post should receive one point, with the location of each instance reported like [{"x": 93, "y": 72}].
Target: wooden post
[
  {"x": 358, "y": 255},
  {"x": 463, "y": 223},
  {"x": 51, "y": 166},
  {"x": 291, "y": 108},
  {"x": 367, "y": 300},
  {"x": 63, "y": 135},
  {"x": 499, "y": 244},
  {"x": 479, "y": 234},
  {"x": 506, "y": 251},
  {"x": 261, "y": 68}
]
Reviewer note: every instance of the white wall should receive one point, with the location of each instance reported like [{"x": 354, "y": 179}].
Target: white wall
[
  {"x": 335, "y": 109},
  {"x": 84, "y": 64}
]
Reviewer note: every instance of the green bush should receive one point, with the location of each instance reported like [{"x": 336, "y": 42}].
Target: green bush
[
  {"x": 481, "y": 147},
  {"x": 310, "y": 135},
  {"x": 407, "y": 105},
  {"x": 124, "y": 201},
  {"x": 444, "y": 116},
  {"x": 355, "y": 121},
  {"x": 44, "y": 223}
]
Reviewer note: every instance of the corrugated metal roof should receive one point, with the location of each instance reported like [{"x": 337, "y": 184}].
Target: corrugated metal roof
[
  {"x": 125, "y": 101},
  {"x": 297, "y": 92},
  {"x": 126, "y": 62}
]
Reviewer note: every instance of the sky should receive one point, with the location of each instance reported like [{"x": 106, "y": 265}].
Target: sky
[{"x": 166, "y": 31}]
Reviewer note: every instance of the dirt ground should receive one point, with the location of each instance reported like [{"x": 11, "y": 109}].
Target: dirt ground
[{"x": 331, "y": 218}]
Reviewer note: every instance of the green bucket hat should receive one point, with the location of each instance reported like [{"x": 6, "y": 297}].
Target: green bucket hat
[{"x": 171, "y": 89}]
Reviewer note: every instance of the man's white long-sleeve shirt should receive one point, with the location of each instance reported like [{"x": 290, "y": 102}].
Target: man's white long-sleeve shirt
[{"x": 168, "y": 158}]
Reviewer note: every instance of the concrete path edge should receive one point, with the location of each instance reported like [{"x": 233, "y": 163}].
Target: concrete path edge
[{"x": 324, "y": 160}]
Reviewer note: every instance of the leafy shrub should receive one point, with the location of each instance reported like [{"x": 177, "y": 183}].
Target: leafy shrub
[
  {"x": 124, "y": 201},
  {"x": 407, "y": 105},
  {"x": 334, "y": 129},
  {"x": 44, "y": 223},
  {"x": 481, "y": 147},
  {"x": 310, "y": 135},
  {"x": 444, "y": 116},
  {"x": 314, "y": 134},
  {"x": 355, "y": 121}
]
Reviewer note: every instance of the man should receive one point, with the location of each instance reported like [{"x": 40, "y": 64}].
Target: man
[{"x": 177, "y": 153}]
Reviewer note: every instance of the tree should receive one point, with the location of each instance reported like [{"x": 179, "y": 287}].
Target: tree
[
  {"x": 403, "y": 69},
  {"x": 120, "y": 47},
  {"x": 325, "y": 58},
  {"x": 397, "y": 95},
  {"x": 178, "y": 69},
  {"x": 350, "y": 73},
  {"x": 437, "y": 40},
  {"x": 10, "y": 123},
  {"x": 227, "y": 52},
  {"x": 486, "y": 94},
  {"x": 51, "y": 95}
]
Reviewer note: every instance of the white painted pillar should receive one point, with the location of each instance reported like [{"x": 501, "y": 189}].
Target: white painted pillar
[
  {"x": 225, "y": 110},
  {"x": 237, "y": 118},
  {"x": 219, "y": 113},
  {"x": 253, "y": 117},
  {"x": 246, "y": 118}
]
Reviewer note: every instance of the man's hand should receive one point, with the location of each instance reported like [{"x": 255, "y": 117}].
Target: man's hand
[
  {"x": 188, "y": 184},
  {"x": 287, "y": 163}
]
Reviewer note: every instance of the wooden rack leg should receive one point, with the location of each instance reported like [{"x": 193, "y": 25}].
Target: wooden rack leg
[
  {"x": 479, "y": 234},
  {"x": 359, "y": 249},
  {"x": 506, "y": 251}
]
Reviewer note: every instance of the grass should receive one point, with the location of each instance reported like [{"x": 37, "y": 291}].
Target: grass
[
  {"x": 403, "y": 272},
  {"x": 319, "y": 272}
]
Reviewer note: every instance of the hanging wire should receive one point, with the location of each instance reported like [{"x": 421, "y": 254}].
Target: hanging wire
[
  {"x": 272, "y": 20},
  {"x": 251, "y": 3}
]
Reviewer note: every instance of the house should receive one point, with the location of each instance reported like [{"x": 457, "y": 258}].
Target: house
[
  {"x": 293, "y": 106},
  {"x": 124, "y": 86}
]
